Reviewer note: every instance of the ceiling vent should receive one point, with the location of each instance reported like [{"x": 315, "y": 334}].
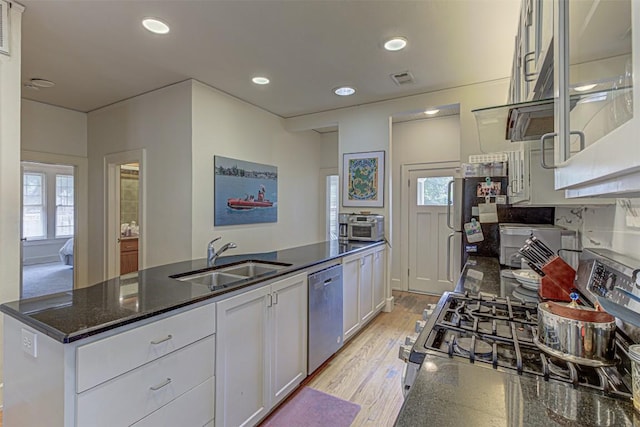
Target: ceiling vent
[
  {"x": 4, "y": 27},
  {"x": 402, "y": 78}
]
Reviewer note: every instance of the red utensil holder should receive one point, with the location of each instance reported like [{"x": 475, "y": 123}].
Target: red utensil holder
[{"x": 558, "y": 281}]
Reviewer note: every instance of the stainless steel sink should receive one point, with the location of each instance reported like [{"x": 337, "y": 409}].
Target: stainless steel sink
[
  {"x": 212, "y": 278},
  {"x": 227, "y": 275},
  {"x": 252, "y": 268}
]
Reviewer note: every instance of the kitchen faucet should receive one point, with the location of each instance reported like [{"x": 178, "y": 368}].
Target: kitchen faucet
[{"x": 212, "y": 254}]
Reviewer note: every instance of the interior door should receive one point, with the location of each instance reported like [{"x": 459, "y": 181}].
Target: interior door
[
  {"x": 429, "y": 248},
  {"x": 124, "y": 212}
]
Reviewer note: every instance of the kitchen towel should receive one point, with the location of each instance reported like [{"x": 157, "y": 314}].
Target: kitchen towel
[{"x": 313, "y": 408}]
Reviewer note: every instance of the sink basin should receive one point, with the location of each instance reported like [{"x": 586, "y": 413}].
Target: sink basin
[
  {"x": 252, "y": 268},
  {"x": 212, "y": 278},
  {"x": 226, "y": 275}
]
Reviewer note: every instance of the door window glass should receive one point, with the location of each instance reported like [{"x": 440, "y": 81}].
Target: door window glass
[{"x": 433, "y": 191}]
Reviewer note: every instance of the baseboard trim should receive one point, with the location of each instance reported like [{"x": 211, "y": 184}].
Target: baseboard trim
[{"x": 388, "y": 306}]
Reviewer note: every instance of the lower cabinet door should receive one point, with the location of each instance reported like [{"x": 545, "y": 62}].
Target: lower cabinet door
[
  {"x": 350, "y": 300},
  {"x": 194, "y": 408},
  {"x": 289, "y": 320},
  {"x": 242, "y": 361},
  {"x": 134, "y": 395},
  {"x": 366, "y": 288},
  {"x": 379, "y": 279}
]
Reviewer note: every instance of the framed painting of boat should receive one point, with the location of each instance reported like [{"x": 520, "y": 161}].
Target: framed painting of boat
[
  {"x": 363, "y": 179},
  {"x": 244, "y": 192}
]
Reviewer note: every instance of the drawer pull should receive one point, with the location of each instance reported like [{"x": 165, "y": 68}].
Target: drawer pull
[
  {"x": 167, "y": 338},
  {"x": 162, "y": 384}
]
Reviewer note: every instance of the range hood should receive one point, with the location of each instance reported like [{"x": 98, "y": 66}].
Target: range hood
[{"x": 525, "y": 121}]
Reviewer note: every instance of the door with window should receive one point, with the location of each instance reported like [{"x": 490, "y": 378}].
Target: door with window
[
  {"x": 429, "y": 254},
  {"x": 48, "y": 228}
]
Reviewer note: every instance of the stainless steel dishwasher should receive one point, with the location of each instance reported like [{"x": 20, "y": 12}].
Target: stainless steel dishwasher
[{"x": 325, "y": 315}]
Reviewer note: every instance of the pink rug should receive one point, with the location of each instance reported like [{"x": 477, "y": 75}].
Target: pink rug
[{"x": 313, "y": 408}]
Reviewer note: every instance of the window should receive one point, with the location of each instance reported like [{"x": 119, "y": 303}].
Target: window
[
  {"x": 48, "y": 211},
  {"x": 333, "y": 203},
  {"x": 433, "y": 191},
  {"x": 64, "y": 205},
  {"x": 34, "y": 218}
]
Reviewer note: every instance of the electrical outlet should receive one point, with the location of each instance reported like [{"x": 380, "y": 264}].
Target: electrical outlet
[{"x": 29, "y": 343}]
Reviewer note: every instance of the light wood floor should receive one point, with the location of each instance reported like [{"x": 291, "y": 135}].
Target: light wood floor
[{"x": 367, "y": 370}]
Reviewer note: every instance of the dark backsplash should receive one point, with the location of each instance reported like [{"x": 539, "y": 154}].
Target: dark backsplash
[{"x": 526, "y": 215}]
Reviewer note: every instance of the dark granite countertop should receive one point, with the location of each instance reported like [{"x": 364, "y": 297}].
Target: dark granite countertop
[
  {"x": 71, "y": 316},
  {"x": 451, "y": 393},
  {"x": 480, "y": 274}
]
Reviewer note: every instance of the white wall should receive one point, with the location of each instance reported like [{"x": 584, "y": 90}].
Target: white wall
[
  {"x": 613, "y": 227},
  {"x": 329, "y": 150},
  {"x": 160, "y": 122},
  {"x": 50, "y": 129},
  {"x": 226, "y": 126},
  {"x": 10, "y": 165},
  {"x": 421, "y": 141}
]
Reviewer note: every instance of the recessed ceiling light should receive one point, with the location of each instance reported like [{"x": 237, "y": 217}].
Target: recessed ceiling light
[
  {"x": 584, "y": 88},
  {"x": 155, "y": 26},
  {"x": 344, "y": 91},
  {"x": 396, "y": 43},
  {"x": 432, "y": 111},
  {"x": 42, "y": 83},
  {"x": 260, "y": 80}
]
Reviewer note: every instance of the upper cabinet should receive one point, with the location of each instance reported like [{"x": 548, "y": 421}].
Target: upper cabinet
[
  {"x": 532, "y": 73},
  {"x": 572, "y": 95},
  {"x": 596, "y": 51}
]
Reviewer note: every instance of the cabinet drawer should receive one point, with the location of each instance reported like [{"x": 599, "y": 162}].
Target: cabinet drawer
[
  {"x": 136, "y": 394},
  {"x": 105, "y": 359},
  {"x": 128, "y": 245},
  {"x": 194, "y": 408}
]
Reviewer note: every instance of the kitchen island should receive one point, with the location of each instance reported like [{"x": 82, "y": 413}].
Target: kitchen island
[
  {"x": 158, "y": 349},
  {"x": 70, "y": 316},
  {"x": 452, "y": 390}
]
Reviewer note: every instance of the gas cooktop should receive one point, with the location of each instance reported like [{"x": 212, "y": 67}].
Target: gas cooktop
[{"x": 498, "y": 333}]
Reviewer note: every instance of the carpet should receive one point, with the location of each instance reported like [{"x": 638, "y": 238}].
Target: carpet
[
  {"x": 313, "y": 408},
  {"x": 43, "y": 279}
]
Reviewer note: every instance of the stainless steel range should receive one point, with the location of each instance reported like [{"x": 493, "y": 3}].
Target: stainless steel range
[{"x": 498, "y": 333}]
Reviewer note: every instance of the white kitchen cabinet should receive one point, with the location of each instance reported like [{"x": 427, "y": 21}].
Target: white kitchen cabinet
[
  {"x": 288, "y": 335},
  {"x": 350, "y": 292},
  {"x": 379, "y": 278},
  {"x": 533, "y": 52},
  {"x": 363, "y": 286},
  {"x": 157, "y": 365},
  {"x": 532, "y": 185},
  {"x": 596, "y": 152},
  {"x": 262, "y": 350},
  {"x": 366, "y": 288}
]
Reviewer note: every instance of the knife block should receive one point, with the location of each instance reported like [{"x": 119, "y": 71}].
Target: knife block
[{"x": 558, "y": 281}]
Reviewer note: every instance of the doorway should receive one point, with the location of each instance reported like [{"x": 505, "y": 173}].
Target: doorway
[
  {"x": 48, "y": 227},
  {"x": 124, "y": 213},
  {"x": 429, "y": 255}
]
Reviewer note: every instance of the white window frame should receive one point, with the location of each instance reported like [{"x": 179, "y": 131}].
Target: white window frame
[
  {"x": 57, "y": 206},
  {"x": 42, "y": 205}
]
